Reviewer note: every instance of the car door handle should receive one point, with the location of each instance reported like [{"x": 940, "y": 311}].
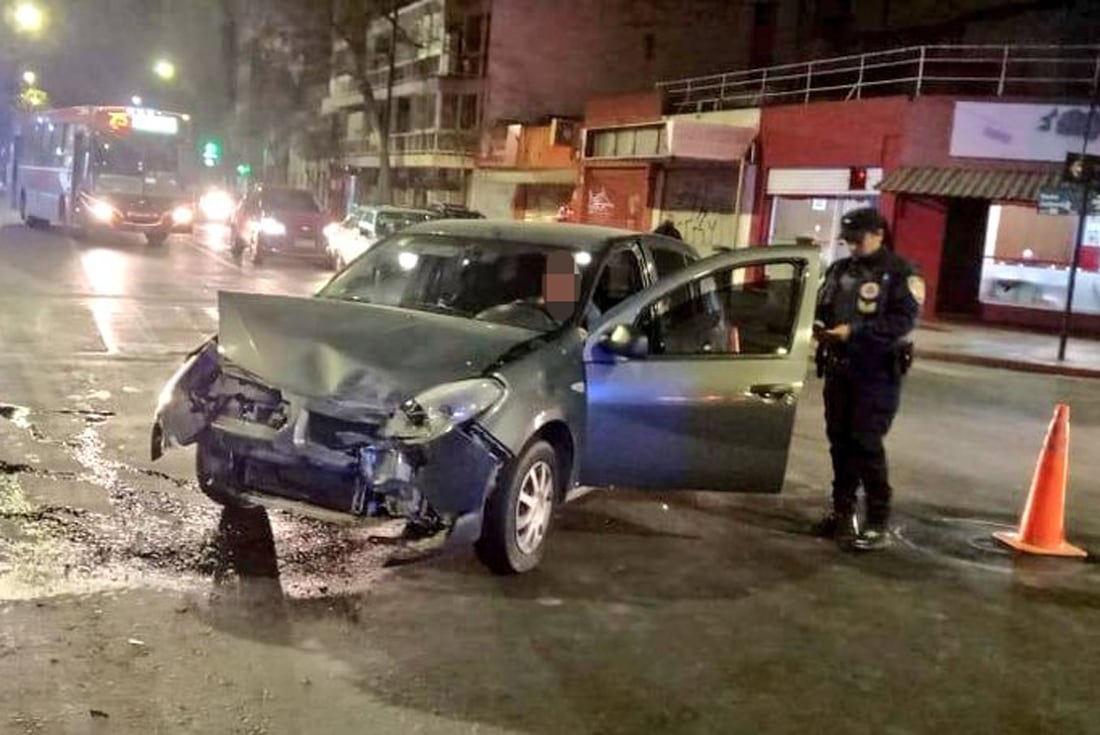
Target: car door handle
[{"x": 773, "y": 391}]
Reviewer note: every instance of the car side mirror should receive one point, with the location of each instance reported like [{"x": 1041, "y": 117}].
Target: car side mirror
[{"x": 626, "y": 341}]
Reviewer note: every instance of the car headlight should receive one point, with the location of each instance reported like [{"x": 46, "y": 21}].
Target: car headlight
[
  {"x": 438, "y": 410},
  {"x": 272, "y": 226},
  {"x": 216, "y": 205},
  {"x": 102, "y": 211},
  {"x": 168, "y": 392},
  {"x": 183, "y": 215}
]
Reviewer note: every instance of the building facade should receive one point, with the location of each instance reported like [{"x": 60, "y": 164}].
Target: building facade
[
  {"x": 955, "y": 144},
  {"x": 465, "y": 67}
]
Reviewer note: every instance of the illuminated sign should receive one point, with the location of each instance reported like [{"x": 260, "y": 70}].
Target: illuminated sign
[
  {"x": 149, "y": 122},
  {"x": 118, "y": 121}
]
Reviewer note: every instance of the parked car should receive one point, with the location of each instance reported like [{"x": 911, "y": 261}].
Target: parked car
[
  {"x": 364, "y": 227},
  {"x": 433, "y": 380},
  {"x": 275, "y": 220},
  {"x": 453, "y": 211}
]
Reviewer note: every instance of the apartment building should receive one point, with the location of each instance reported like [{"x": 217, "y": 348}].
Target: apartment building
[{"x": 462, "y": 68}]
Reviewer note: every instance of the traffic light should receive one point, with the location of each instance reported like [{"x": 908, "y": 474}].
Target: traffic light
[
  {"x": 244, "y": 170},
  {"x": 211, "y": 152}
]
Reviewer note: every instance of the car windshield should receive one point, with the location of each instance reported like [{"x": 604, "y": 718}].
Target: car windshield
[
  {"x": 489, "y": 280},
  {"x": 297, "y": 200},
  {"x": 139, "y": 163}
]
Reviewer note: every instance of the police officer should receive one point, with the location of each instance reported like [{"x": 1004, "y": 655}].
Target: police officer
[{"x": 867, "y": 306}]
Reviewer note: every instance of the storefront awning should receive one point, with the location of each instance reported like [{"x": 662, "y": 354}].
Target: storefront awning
[{"x": 1022, "y": 186}]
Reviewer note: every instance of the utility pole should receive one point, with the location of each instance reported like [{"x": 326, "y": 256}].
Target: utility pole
[{"x": 1082, "y": 219}]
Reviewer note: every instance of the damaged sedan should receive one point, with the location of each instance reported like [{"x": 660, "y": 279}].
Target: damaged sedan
[{"x": 443, "y": 378}]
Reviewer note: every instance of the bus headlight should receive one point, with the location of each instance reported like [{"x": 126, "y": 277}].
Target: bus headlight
[
  {"x": 183, "y": 215},
  {"x": 102, "y": 211}
]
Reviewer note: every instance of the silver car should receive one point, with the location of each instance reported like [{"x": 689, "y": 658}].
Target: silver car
[{"x": 434, "y": 381}]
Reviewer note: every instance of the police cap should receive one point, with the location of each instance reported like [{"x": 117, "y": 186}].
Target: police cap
[{"x": 855, "y": 224}]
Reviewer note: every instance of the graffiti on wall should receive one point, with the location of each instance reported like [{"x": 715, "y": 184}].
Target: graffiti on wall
[{"x": 701, "y": 203}]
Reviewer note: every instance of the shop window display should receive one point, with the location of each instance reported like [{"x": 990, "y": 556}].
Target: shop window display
[{"x": 1028, "y": 257}]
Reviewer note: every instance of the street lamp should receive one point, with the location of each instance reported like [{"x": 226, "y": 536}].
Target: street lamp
[
  {"x": 30, "y": 78},
  {"x": 135, "y": 101},
  {"x": 29, "y": 18},
  {"x": 165, "y": 69}
]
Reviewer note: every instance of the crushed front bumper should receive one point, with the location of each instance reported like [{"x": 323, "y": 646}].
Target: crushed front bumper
[{"x": 293, "y": 453}]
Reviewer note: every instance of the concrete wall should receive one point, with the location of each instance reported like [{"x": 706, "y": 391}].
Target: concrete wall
[
  {"x": 546, "y": 57},
  {"x": 492, "y": 197}
]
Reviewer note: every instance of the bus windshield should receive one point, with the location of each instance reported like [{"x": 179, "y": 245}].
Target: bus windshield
[{"x": 140, "y": 163}]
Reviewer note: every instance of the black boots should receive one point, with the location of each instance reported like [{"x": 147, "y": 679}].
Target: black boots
[
  {"x": 837, "y": 525},
  {"x": 844, "y": 528}
]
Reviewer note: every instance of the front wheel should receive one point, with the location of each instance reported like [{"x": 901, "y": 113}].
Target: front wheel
[
  {"x": 156, "y": 239},
  {"x": 255, "y": 252},
  {"x": 520, "y": 511}
]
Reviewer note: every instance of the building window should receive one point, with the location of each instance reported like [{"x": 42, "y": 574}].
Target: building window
[
  {"x": 1028, "y": 256},
  {"x": 815, "y": 221},
  {"x": 472, "y": 35},
  {"x": 646, "y": 141},
  {"x": 467, "y": 119},
  {"x": 649, "y": 44},
  {"x": 356, "y": 126},
  {"x": 448, "y": 113},
  {"x": 403, "y": 118}
]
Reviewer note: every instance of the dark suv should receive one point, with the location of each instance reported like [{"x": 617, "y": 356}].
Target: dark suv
[{"x": 274, "y": 220}]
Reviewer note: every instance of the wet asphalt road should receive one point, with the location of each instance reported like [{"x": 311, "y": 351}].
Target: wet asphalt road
[{"x": 130, "y": 604}]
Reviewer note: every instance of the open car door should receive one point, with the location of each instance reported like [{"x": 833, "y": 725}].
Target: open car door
[{"x": 693, "y": 383}]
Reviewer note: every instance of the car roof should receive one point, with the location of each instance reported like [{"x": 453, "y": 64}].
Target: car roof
[
  {"x": 266, "y": 188},
  {"x": 592, "y": 238},
  {"x": 390, "y": 208}
]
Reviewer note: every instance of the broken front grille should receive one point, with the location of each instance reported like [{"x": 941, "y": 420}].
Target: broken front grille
[{"x": 337, "y": 433}]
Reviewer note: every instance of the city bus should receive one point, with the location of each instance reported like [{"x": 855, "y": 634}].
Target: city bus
[{"x": 92, "y": 167}]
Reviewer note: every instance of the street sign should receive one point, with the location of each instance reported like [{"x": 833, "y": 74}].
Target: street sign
[
  {"x": 1060, "y": 199},
  {"x": 1081, "y": 168}
]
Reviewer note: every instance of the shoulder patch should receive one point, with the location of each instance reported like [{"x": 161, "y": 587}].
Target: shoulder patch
[{"x": 916, "y": 287}]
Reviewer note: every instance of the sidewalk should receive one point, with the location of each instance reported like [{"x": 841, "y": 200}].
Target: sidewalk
[{"x": 1009, "y": 349}]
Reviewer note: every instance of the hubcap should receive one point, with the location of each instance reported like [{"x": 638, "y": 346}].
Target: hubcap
[{"x": 536, "y": 500}]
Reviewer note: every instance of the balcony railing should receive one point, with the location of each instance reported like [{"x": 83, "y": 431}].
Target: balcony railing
[
  {"x": 406, "y": 71},
  {"x": 438, "y": 142},
  {"x": 1017, "y": 70}
]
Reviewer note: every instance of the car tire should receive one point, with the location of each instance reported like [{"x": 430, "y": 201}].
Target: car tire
[
  {"x": 528, "y": 491},
  {"x": 212, "y": 472},
  {"x": 255, "y": 253},
  {"x": 29, "y": 220},
  {"x": 156, "y": 239},
  {"x": 238, "y": 246}
]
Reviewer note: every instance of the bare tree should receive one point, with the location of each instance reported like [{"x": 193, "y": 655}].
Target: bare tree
[
  {"x": 351, "y": 22},
  {"x": 333, "y": 36}
]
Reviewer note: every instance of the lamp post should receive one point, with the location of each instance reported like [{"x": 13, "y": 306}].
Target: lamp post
[
  {"x": 30, "y": 78},
  {"x": 28, "y": 18},
  {"x": 1082, "y": 220},
  {"x": 164, "y": 69}
]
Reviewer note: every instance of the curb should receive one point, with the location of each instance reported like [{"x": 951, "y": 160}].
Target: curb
[{"x": 1021, "y": 366}]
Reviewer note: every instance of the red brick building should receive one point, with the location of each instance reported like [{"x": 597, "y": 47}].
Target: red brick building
[{"x": 957, "y": 178}]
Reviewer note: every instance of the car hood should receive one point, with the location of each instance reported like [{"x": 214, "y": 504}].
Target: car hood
[{"x": 355, "y": 355}]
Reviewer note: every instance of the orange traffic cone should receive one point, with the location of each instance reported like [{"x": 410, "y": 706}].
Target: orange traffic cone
[{"x": 1041, "y": 526}]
